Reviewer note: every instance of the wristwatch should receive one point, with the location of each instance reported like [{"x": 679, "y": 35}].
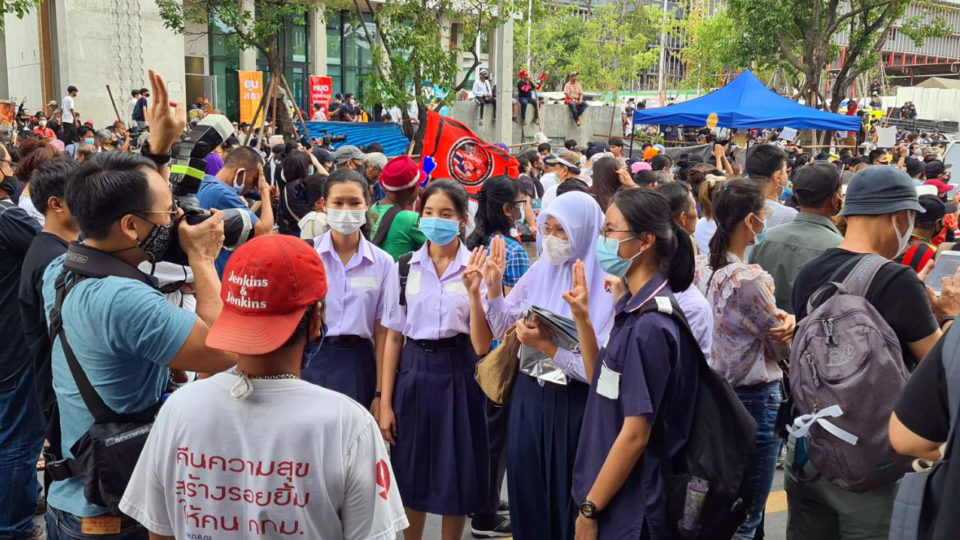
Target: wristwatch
[
  {"x": 158, "y": 159},
  {"x": 589, "y": 510}
]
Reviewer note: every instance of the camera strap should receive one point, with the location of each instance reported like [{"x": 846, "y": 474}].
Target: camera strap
[{"x": 94, "y": 263}]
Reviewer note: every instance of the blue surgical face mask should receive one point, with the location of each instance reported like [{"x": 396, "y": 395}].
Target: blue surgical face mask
[
  {"x": 89, "y": 141},
  {"x": 759, "y": 237},
  {"x": 438, "y": 230},
  {"x": 608, "y": 257}
]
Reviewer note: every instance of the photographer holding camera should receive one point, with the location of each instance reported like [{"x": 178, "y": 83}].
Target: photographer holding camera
[
  {"x": 242, "y": 172},
  {"x": 116, "y": 338}
]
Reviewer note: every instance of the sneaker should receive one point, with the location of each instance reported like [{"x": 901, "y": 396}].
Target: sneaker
[
  {"x": 40, "y": 533},
  {"x": 498, "y": 527},
  {"x": 503, "y": 508},
  {"x": 481, "y": 122}
]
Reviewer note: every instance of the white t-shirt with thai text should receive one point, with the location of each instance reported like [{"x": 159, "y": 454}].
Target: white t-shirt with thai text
[{"x": 291, "y": 460}]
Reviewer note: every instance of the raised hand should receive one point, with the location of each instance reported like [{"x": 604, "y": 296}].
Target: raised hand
[
  {"x": 496, "y": 263},
  {"x": 473, "y": 274},
  {"x": 166, "y": 125},
  {"x": 578, "y": 297}
]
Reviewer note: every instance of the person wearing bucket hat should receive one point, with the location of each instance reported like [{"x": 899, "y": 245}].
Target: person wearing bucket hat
[
  {"x": 273, "y": 307},
  {"x": 880, "y": 207},
  {"x": 393, "y": 227},
  {"x": 566, "y": 169}
]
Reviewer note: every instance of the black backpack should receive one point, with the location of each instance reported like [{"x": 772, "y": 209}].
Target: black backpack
[{"x": 717, "y": 454}]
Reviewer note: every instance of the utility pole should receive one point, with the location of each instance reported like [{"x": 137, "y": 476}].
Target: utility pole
[
  {"x": 529, "y": 27},
  {"x": 663, "y": 56}
]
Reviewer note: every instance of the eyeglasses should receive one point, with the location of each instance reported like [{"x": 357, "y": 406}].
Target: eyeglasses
[
  {"x": 171, "y": 213},
  {"x": 604, "y": 233}
]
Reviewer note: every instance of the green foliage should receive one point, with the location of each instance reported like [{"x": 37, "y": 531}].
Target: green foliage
[
  {"x": 244, "y": 29},
  {"x": 413, "y": 52},
  {"x": 709, "y": 49},
  {"x": 610, "y": 45},
  {"x": 800, "y": 33},
  {"x": 19, "y": 8}
]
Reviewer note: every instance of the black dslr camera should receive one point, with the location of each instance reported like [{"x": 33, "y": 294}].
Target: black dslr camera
[{"x": 186, "y": 173}]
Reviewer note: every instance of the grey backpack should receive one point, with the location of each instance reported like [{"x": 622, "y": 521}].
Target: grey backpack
[{"x": 846, "y": 373}]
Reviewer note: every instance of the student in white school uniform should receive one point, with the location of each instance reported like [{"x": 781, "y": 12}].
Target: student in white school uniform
[
  {"x": 432, "y": 410},
  {"x": 363, "y": 286}
]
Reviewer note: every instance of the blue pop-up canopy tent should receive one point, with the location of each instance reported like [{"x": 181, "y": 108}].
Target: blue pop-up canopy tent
[{"x": 746, "y": 103}]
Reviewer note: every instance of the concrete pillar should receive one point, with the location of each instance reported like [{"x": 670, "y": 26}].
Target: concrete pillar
[
  {"x": 248, "y": 57},
  {"x": 318, "y": 42},
  {"x": 501, "y": 54}
]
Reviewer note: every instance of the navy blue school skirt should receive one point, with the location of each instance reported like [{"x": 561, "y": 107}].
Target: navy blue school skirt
[
  {"x": 350, "y": 369},
  {"x": 542, "y": 436},
  {"x": 441, "y": 456}
]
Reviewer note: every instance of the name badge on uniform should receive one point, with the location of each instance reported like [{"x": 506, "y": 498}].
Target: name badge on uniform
[
  {"x": 608, "y": 385},
  {"x": 456, "y": 287},
  {"x": 364, "y": 282},
  {"x": 413, "y": 283}
]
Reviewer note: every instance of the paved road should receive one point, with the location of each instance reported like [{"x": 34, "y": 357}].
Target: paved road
[{"x": 775, "y": 529}]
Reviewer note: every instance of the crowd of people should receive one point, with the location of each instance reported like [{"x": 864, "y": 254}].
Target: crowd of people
[{"x": 321, "y": 379}]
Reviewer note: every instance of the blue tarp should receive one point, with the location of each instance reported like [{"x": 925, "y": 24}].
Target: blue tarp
[
  {"x": 746, "y": 103},
  {"x": 390, "y": 136}
]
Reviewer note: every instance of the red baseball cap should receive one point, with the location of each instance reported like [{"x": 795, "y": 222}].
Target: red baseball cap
[
  {"x": 400, "y": 173},
  {"x": 523, "y": 72},
  {"x": 268, "y": 284}
]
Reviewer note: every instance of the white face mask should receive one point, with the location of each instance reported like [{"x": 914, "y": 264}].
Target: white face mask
[
  {"x": 904, "y": 240},
  {"x": 346, "y": 221},
  {"x": 555, "y": 250}
]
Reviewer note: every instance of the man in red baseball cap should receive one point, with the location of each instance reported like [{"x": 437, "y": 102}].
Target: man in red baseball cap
[
  {"x": 394, "y": 225},
  {"x": 258, "y": 448}
]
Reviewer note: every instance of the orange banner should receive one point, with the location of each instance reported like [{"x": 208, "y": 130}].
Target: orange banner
[{"x": 251, "y": 92}]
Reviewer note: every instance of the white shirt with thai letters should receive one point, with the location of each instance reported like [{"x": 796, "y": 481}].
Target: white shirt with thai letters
[{"x": 292, "y": 460}]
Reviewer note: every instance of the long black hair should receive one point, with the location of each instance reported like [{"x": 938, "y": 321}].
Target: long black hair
[
  {"x": 606, "y": 181},
  {"x": 346, "y": 176},
  {"x": 452, "y": 189},
  {"x": 490, "y": 218},
  {"x": 732, "y": 203},
  {"x": 647, "y": 211}
]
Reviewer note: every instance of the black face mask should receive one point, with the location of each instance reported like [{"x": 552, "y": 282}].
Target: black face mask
[{"x": 8, "y": 184}]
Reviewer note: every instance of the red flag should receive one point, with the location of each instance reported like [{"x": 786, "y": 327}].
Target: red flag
[{"x": 461, "y": 155}]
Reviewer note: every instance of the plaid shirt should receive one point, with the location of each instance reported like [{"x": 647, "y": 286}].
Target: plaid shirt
[{"x": 517, "y": 262}]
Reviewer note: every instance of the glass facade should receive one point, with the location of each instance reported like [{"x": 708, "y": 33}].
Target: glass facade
[
  {"x": 224, "y": 62},
  {"x": 348, "y": 58},
  {"x": 294, "y": 37},
  {"x": 348, "y": 51}
]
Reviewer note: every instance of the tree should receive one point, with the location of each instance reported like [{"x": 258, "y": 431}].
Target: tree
[
  {"x": 413, "y": 51},
  {"x": 614, "y": 45},
  {"x": 259, "y": 30},
  {"x": 19, "y": 8},
  {"x": 708, "y": 52},
  {"x": 803, "y": 34},
  {"x": 609, "y": 43}
]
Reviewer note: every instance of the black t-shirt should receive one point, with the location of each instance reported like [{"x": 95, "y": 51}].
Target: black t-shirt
[
  {"x": 138, "y": 109},
  {"x": 524, "y": 89},
  {"x": 45, "y": 248},
  {"x": 924, "y": 409},
  {"x": 896, "y": 292},
  {"x": 17, "y": 230}
]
